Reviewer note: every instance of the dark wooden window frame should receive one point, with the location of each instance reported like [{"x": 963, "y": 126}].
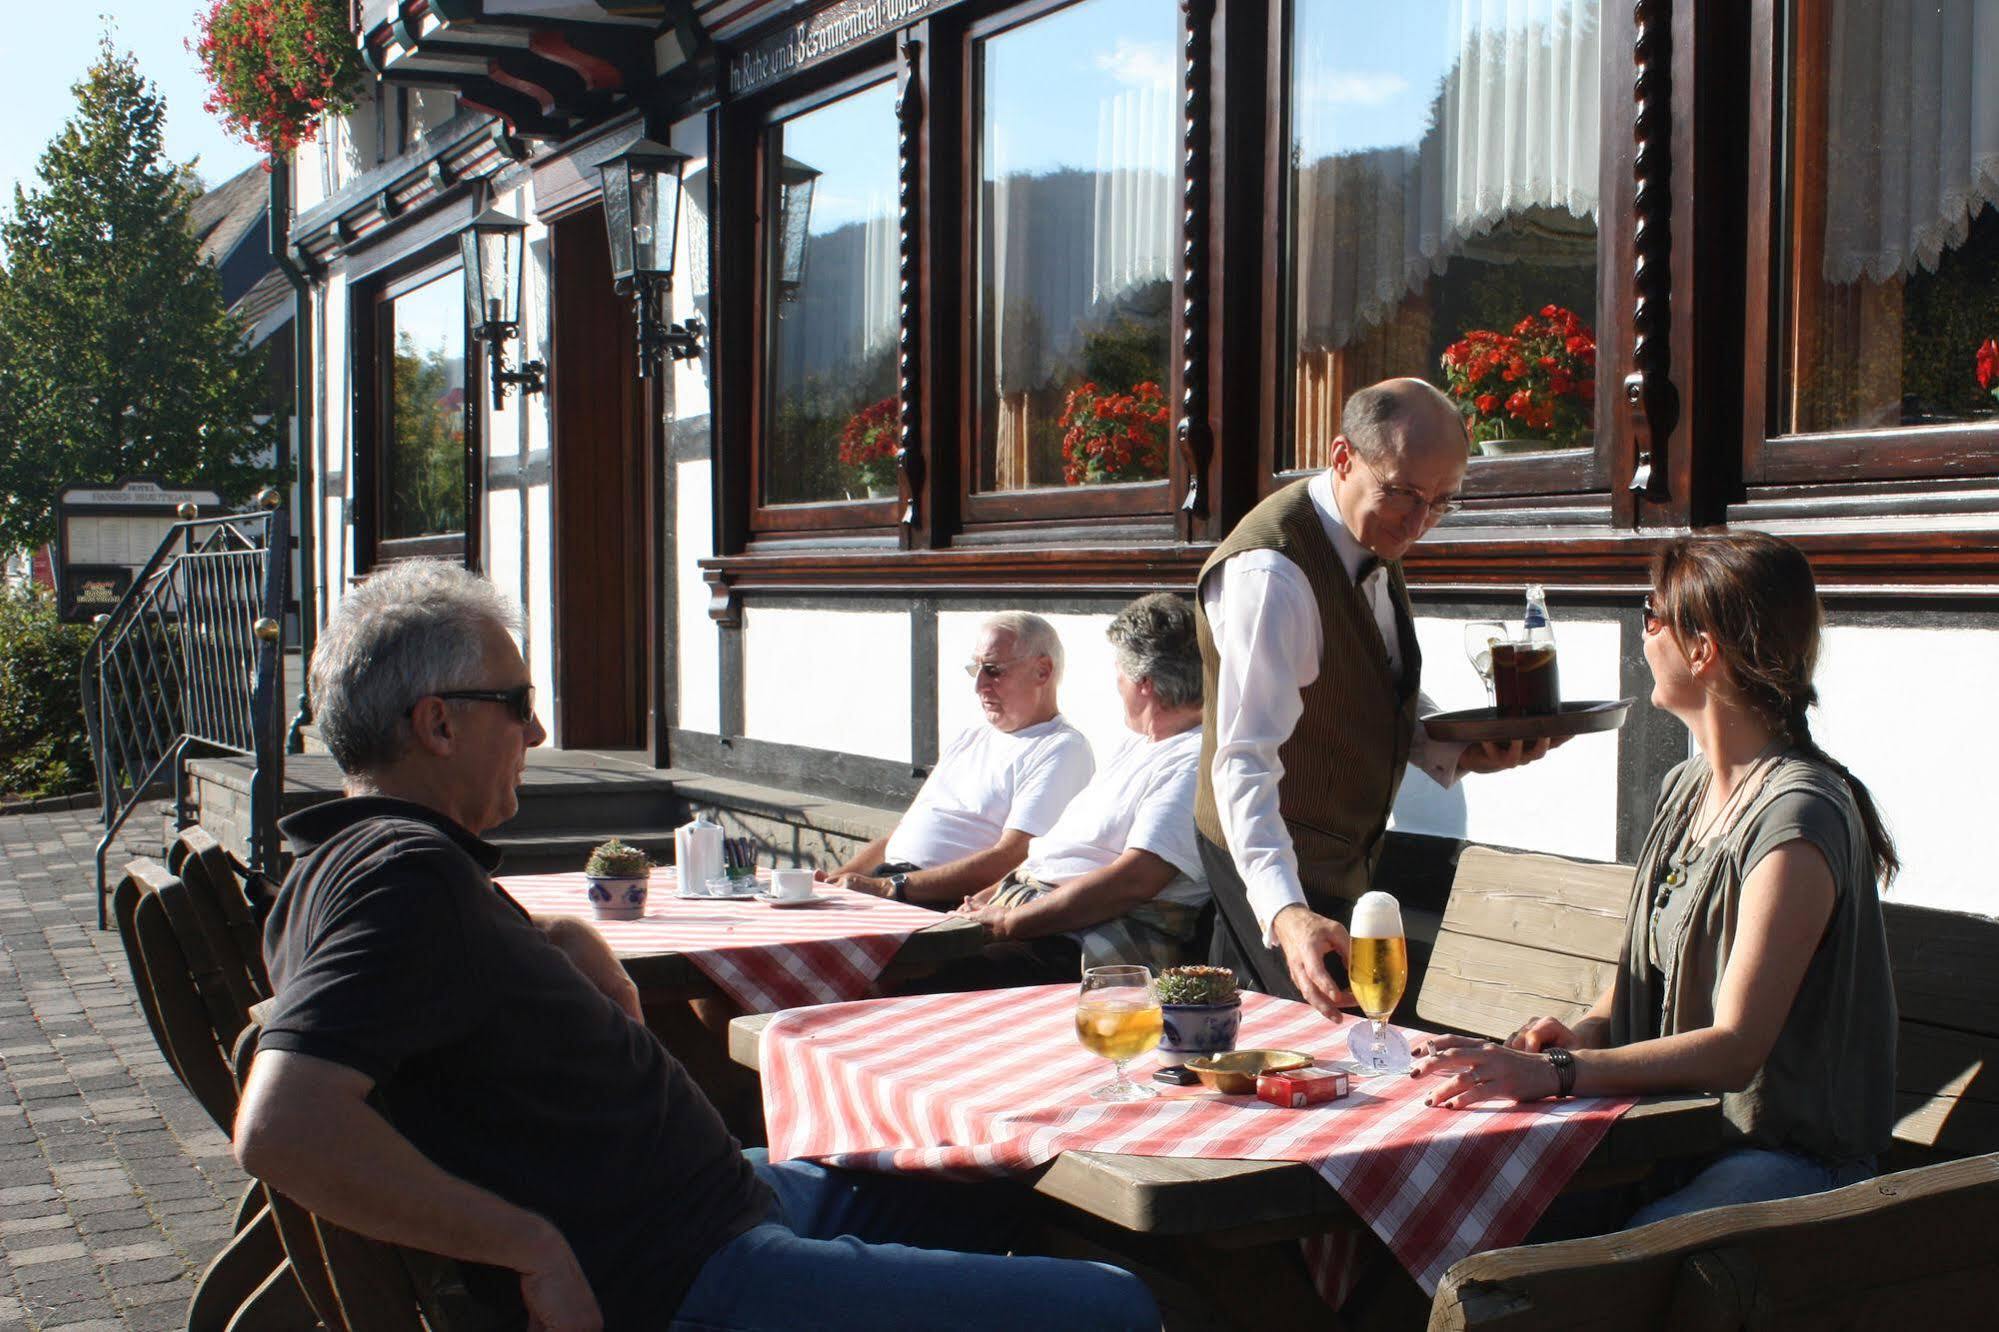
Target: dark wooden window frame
[
  {"x": 1492, "y": 486},
  {"x": 1566, "y": 521},
  {"x": 828, "y": 518},
  {"x": 1944, "y": 455},
  {"x": 373, "y": 349},
  {"x": 1017, "y": 511}
]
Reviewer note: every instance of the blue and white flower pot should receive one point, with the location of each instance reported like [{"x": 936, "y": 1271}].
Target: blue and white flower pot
[
  {"x": 1193, "y": 1030},
  {"x": 618, "y": 899}
]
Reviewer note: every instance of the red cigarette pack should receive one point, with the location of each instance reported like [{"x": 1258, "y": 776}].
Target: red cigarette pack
[{"x": 1301, "y": 1086}]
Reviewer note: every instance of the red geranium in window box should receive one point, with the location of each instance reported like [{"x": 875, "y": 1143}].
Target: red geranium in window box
[
  {"x": 274, "y": 66},
  {"x": 1538, "y": 381},
  {"x": 1987, "y": 362},
  {"x": 1113, "y": 436}
]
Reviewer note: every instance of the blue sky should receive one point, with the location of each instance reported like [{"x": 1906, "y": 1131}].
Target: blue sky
[{"x": 48, "y": 47}]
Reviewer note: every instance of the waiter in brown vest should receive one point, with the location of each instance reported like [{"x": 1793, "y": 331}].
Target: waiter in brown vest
[{"x": 1311, "y": 703}]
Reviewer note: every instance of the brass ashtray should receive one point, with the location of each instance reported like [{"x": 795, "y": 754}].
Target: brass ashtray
[{"x": 1234, "y": 1073}]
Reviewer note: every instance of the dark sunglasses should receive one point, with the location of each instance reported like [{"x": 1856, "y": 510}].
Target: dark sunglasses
[
  {"x": 1652, "y": 618},
  {"x": 519, "y": 699}
]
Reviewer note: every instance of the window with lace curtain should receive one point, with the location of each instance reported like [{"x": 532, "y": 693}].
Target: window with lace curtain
[
  {"x": 1889, "y": 308},
  {"x": 830, "y": 427},
  {"x": 1077, "y": 238},
  {"x": 1441, "y": 210}
]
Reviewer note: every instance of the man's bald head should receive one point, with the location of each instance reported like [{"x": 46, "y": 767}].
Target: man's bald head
[{"x": 1403, "y": 420}]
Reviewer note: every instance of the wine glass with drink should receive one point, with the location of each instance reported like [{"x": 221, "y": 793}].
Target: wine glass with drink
[
  {"x": 1480, "y": 635},
  {"x": 1117, "y": 1016},
  {"x": 1377, "y": 973}
]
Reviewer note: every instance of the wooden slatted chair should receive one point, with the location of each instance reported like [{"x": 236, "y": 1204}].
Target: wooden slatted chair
[
  {"x": 353, "y": 1282},
  {"x": 216, "y": 889},
  {"x": 247, "y": 1284},
  {"x": 1523, "y": 935},
  {"x": 1912, "y": 1249}
]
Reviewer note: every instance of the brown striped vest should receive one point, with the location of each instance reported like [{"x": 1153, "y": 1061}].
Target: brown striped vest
[{"x": 1344, "y": 761}]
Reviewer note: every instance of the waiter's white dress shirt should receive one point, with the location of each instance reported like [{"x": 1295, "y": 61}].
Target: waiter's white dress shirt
[{"x": 1266, "y": 626}]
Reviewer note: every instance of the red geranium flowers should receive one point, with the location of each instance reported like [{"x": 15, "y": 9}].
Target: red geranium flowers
[
  {"x": 274, "y": 65},
  {"x": 1538, "y": 380},
  {"x": 1113, "y": 436}
]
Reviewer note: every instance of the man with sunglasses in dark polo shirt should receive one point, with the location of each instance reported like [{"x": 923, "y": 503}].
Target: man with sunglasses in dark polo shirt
[
  {"x": 1311, "y": 674},
  {"x": 441, "y": 1071}
]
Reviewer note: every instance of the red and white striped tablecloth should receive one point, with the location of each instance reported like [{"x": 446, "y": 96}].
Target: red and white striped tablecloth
[
  {"x": 996, "y": 1083},
  {"x": 763, "y": 957}
]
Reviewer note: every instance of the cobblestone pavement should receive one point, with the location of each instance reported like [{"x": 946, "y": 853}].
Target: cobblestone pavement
[{"x": 115, "y": 1188}]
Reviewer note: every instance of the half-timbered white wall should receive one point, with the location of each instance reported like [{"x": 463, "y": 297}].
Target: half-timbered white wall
[{"x": 839, "y": 680}]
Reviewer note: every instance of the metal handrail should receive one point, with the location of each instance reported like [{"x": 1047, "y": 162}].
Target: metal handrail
[{"x": 190, "y": 660}]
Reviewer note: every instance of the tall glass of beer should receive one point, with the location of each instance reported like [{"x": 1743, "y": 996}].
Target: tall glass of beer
[
  {"x": 1377, "y": 974},
  {"x": 1117, "y": 1016}
]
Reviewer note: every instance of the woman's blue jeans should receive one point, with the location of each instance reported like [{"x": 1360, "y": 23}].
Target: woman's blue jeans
[
  {"x": 837, "y": 1252},
  {"x": 1752, "y": 1174}
]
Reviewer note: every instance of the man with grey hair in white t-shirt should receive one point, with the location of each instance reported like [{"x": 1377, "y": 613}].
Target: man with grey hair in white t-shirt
[{"x": 996, "y": 786}]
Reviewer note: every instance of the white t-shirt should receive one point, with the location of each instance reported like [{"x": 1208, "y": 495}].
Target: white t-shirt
[
  {"x": 1143, "y": 798},
  {"x": 987, "y": 781}
]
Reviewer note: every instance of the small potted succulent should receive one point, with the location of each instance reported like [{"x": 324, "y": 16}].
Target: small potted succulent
[
  {"x": 618, "y": 876},
  {"x": 1201, "y": 1011}
]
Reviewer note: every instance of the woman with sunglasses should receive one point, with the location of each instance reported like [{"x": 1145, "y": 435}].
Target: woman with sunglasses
[{"x": 1756, "y": 966}]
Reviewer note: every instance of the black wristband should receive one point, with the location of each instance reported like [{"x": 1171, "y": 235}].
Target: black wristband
[{"x": 1565, "y": 1070}]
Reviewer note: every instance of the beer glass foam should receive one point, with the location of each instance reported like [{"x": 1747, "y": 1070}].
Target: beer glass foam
[{"x": 1376, "y": 915}]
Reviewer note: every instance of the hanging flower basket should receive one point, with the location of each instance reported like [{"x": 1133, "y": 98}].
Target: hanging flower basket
[{"x": 274, "y": 66}]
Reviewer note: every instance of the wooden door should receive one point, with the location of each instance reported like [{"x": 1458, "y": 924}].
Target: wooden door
[{"x": 601, "y": 482}]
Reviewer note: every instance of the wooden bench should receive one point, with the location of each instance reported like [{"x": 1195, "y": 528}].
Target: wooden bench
[
  {"x": 1525, "y": 935},
  {"x": 1912, "y": 1249}
]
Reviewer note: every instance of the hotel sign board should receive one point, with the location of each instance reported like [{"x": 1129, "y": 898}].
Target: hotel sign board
[
  {"x": 105, "y": 535},
  {"x": 819, "y": 37}
]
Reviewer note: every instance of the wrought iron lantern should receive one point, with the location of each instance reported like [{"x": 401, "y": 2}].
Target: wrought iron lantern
[
  {"x": 642, "y": 188},
  {"x": 491, "y": 249},
  {"x": 795, "y": 183}
]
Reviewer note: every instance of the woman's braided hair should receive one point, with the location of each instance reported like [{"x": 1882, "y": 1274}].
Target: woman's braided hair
[{"x": 1754, "y": 596}]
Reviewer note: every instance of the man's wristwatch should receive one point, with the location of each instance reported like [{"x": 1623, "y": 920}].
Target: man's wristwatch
[
  {"x": 1565, "y": 1070},
  {"x": 898, "y": 887}
]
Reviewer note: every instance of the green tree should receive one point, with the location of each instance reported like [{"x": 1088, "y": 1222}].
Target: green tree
[{"x": 117, "y": 355}]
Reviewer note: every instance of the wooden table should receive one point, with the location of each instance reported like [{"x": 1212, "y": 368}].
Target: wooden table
[
  {"x": 667, "y": 973},
  {"x": 1234, "y": 1203}
]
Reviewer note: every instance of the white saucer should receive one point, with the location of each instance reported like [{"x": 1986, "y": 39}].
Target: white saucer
[{"x": 817, "y": 899}]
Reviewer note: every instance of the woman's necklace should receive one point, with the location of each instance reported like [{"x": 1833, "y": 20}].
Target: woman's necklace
[{"x": 1694, "y": 842}]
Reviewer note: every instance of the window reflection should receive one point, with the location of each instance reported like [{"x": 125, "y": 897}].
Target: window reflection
[
  {"x": 1443, "y": 213},
  {"x": 1893, "y": 216},
  {"x": 424, "y": 454},
  {"x": 1078, "y": 214},
  {"x": 831, "y": 320}
]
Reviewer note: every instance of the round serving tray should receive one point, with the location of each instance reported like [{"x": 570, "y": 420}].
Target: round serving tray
[{"x": 1476, "y": 724}]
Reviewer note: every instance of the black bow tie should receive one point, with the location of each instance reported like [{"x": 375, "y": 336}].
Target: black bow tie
[{"x": 1366, "y": 570}]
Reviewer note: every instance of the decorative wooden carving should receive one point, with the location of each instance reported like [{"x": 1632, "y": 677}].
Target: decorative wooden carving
[
  {"x": 725, "y": 604},
  {"x": 1648, "y": 389},
  {"x": 909, "y": 224},
  {"x": 1195, "y": 439}
]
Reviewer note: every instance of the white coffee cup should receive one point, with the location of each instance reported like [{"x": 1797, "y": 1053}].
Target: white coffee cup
[{"x": 791, "y": 884}]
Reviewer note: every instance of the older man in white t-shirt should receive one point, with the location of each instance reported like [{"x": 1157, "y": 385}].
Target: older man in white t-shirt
[
  {"x": 997, "y": 784},
  {"x": 1118, "y": 879}
]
